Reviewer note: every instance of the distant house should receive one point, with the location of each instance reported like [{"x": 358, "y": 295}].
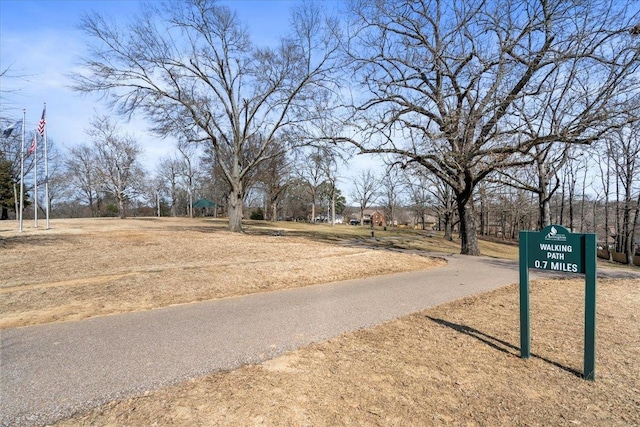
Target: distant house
[
  {"x": 403, "y": 217},
  {"x": 370, "y": 216},
  {"x": 378, "y": 219},
  {"x": 428, "y": 221}
]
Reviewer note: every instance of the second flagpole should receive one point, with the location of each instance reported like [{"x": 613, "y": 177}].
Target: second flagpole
[
  {"x": 46, "y": 166},
  {"x": 35, "y": 180},
  {"x": 24, "y": 117}
]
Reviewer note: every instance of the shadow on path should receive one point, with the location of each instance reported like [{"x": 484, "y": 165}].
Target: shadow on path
[{"x": 499, "y": 344}]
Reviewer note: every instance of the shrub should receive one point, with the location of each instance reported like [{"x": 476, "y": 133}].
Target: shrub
[{"x": 257, "y": 214}]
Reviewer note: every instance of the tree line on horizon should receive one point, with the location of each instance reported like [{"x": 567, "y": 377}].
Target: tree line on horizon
[{"x": 475, "y": 104}]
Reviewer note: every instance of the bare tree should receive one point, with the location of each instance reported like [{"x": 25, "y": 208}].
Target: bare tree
[
  {"x": 538, "y": 178},
  {"x": 8, "y": 89},
  {"x": 572, "y": 170},
  {"x": 116, "y": 161},
  {"x": 430, "y": 194},
  {"x": 420, "y": 197},
  {"x": 81, "y": 164},
  {"x": 445, "y": 205},
  {"x": 216, "y": 185},
  {"x": 624, "y": 148},
  {"x": 366, "y": 191},
  {"x": 189, "y": 171},
  {"x": 311, "y": 169},
  {"x": 168, "y": 171},
  {"x": 604, "y": 167},
  {"x": 275, "y": 175},
  {"x": 191, "y": 68},
  {"x": 332, "y": 199},
  {"x": 586, "y": 160},
  {"x": 295, "y": 203},
  {"x": 466, "y": 88},
  {"x": 392, "y": 187},
  {"x": 330, "y": 158}
]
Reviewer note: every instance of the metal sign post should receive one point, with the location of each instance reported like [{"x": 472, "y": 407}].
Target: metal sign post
[
  {"x": 557, "y": 249},
  {"x": 525, "y": 318}
]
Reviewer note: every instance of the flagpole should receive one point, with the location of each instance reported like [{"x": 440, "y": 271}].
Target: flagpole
[
  {"x": 15, "y": 197},
  {"x": 35, "y": 180},
  {"x": 46, "y": 173},
  {"x": 24, "y": 116}
]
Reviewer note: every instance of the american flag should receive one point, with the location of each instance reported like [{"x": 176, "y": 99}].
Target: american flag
[
  {"x": 33, "y": 146},
  {"x": 42, "y": 122}
]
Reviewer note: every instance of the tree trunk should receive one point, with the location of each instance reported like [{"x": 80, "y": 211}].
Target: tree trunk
[
  {"x": 92, "y": 208},
  {"x": 618, "y": 238},
  {"x": 468, "y": 232},
  {"x": 5, "y": 213},
  {"x": 123, "y": 214},
  {"x": 235, "y": 209},
  {"x": 448, "y": 227},
  {"x": 561, "y": 219},
  {"x": 627, "y": 231},
  {"x": 582, "y": 203},
  {"x": 571, "y": 197},
  {"x": 545, "y": 209},
  {"x": 482, "y": 218},
  {"x": 515, "y": 220},
  {"x": 333, "y": 208},
  {"x": 543, "y": 196},
  {"x": 629, "y": 222},
  {"x": 634, "y": 224},
  {"x": 606, "y": 205}
]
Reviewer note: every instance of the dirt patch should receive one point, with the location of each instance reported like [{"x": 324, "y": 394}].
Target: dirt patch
[
  {"x": 91, "y": 267},
  {"x": 457, "y": 364}
]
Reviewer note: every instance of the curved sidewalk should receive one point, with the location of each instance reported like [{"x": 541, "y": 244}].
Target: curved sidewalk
[{"x": 49, "y": 372}]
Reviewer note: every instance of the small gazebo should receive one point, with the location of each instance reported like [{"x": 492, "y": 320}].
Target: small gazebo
[{"x": 205, "y": 205}]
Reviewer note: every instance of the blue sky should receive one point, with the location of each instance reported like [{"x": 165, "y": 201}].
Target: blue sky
[{"x": 41, "y": 44}]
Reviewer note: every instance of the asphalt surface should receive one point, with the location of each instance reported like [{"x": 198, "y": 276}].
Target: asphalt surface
[{"x": 51, "y": 371}]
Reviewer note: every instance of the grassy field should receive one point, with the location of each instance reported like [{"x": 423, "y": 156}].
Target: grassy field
[
  {"x": 391, "y": 238},
  {"x": 456, "y": 364},
  {"x": 91, "y": 267}
]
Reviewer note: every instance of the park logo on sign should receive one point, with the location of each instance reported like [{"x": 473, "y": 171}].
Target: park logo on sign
[{"x": 554, "y": 236}]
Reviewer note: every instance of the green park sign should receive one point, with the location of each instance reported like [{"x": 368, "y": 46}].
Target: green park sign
[{"x": 557, "y": 249}]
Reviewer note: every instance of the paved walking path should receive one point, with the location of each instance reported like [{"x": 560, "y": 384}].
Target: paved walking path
[{"x": 51, "y": 371}]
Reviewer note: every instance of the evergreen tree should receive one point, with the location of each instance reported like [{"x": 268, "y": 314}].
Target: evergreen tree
[{"x": 6, "y": 188}]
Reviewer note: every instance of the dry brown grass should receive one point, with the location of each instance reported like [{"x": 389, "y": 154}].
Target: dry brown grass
[
  {"x": 90, "y": 267},
  {"x": 456, "y": 364},
  {"x": 393, "y": 238}
]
